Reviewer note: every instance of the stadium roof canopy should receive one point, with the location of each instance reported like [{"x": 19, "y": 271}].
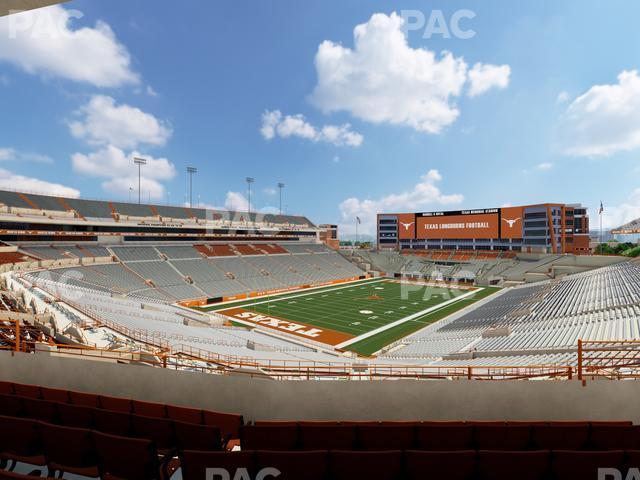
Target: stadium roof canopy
[
  {"x": 628, "y": 228},
  {"x": 7, "y": 7}
]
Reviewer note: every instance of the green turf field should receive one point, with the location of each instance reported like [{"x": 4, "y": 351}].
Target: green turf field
[{"x": 362, "y": 307}]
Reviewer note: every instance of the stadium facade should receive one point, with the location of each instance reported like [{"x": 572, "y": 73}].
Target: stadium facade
[{"x": 541, "y": 228}]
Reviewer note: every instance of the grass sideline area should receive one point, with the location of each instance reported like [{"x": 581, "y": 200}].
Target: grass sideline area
[{"x": 361, "y": 307}]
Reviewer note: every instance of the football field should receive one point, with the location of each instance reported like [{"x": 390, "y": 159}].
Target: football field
[{"x": 361, "y": 317}]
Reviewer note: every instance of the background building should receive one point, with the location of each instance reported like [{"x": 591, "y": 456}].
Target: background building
[
  {"x": 542, "y": 228},
  {"x": 329, "y": 235}
]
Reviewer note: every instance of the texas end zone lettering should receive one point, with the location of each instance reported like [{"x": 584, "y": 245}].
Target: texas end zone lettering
[{"x": 280, "y": 324}]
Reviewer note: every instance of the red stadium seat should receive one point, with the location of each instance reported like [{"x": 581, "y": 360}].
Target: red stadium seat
[
  {"x": 158, "y": 430},
  {"x": 20, "y": 441},
  {"x": 184, "y": 414},
  {"x": 228, "y": 423},
  {"x": 340, "y": 437},
  {"x": 114, "y": 423},
  {"x": 511, "y": 437},
  {"x": 11, "y": 405},
  {"x": 458, "y": 465},
  {"x": 311, "y": 465},
  {"x": 386, "y": 437},
  {"x": 55, "y": 395},
  {"x": 364, "y": 465},
  {"x": 614, "y": 437},
  {"x": 436, "y": 437},
  {"x": 24, "y": 390},
  {"x": 69, "y": 450},
  {"x": 195, "y": 463},
  {"x": 560, "y": 437},
  {"x": 269, "y": 438},
  {"x": 84, "y": 399},
  {"x": 40, "y": 410},
  {"x": 75, "y": 415},
  {"x": 191, "y": 436},
  {"x": 115, "y": 404},
  {"x": 126, "y": 458},
  {"x": 533, "y": 465},
  {"x": 149, "y": 409},
  {"x": 571, "y": 465},
  {"x": 6, "y": 388}
]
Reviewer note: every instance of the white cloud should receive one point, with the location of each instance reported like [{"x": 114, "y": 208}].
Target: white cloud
[
  {"x": 150, "y": 189},
  {"x": 44, "y": 42},
  {"x": 604, "y": 120},
  {"x": 383, "y": 80},
  {"x": 544, "y": 166},
  {"x": 616, "y": 216},
  {"x": 236, "y": 201},
  {"x": 270, "y": 191},
  {"x": 275, "y": 124},
  {"x": 121, "y": 173},
  {"x": 483, "y": 78},
  {"x": 105, "y": 123},
  {"x": 563, "y": 97},
  {"x": 12, "y": 181},
  {"x": 113, "y": 162},
  {"x": 336, "y": 159},
  {"x": 423, "y": 194},
  {"x": 11, "y": 154}
]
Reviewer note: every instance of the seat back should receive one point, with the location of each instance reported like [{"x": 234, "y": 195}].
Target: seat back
[
  {"x": 573, "y": 465},
  {"x": 532, "y": 465},
  {"x": 385, "y": 465},
  {"x": 269, "y": 437},
  {"x": 311, "y": 465},
  {"x": 458, "y": 465},
  {"x": 195, "y": 463},
  {"x": 123, "y": 457},
  {"x": 191, "y": 436},
  {"x": 67, "y": 448},
  {"x": 328, "y": 437}
]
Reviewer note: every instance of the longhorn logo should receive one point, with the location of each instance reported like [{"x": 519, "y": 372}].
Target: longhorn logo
[
  {"x": 406, "y": 225},
  {"x": 511, "y": 222}
]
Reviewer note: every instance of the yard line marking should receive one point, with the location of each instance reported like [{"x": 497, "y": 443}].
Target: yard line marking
[
  {"x": 406, "y": 319},
  {"x": 305, "y": 294}
]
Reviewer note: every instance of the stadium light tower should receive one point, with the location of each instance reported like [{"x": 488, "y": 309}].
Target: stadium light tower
[
  {"x": 249, "y": 181},
  {"x": 139, "y": 161},
  {"x": 191, "y": 171},
  {"x": 280, "y": 187}
]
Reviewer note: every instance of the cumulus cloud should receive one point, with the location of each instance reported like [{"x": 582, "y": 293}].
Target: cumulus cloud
[
  {"x": 236, "y": 201},
  {"x": 12, "y": 181},
  {"x": 117, "y": 167},
  {"x": 102, "y": 122},
  {"x": 383, "y": 80},
  {"x": 274, "y": 123},
  {"x": 423, "y": 194},
  {"x": 618, "y": 215},
  {"x": 44, "y": 42},
  {"x": 483, "y": 77},
  {"x": 604, "y": 120},
  {"x": 11, "y": 154}
]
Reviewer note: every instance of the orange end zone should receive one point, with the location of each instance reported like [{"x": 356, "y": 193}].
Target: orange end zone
[{"x": 309, "y": 332}]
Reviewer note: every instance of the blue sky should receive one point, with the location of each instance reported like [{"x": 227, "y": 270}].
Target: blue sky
[{"x": 541, "y": 104}]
